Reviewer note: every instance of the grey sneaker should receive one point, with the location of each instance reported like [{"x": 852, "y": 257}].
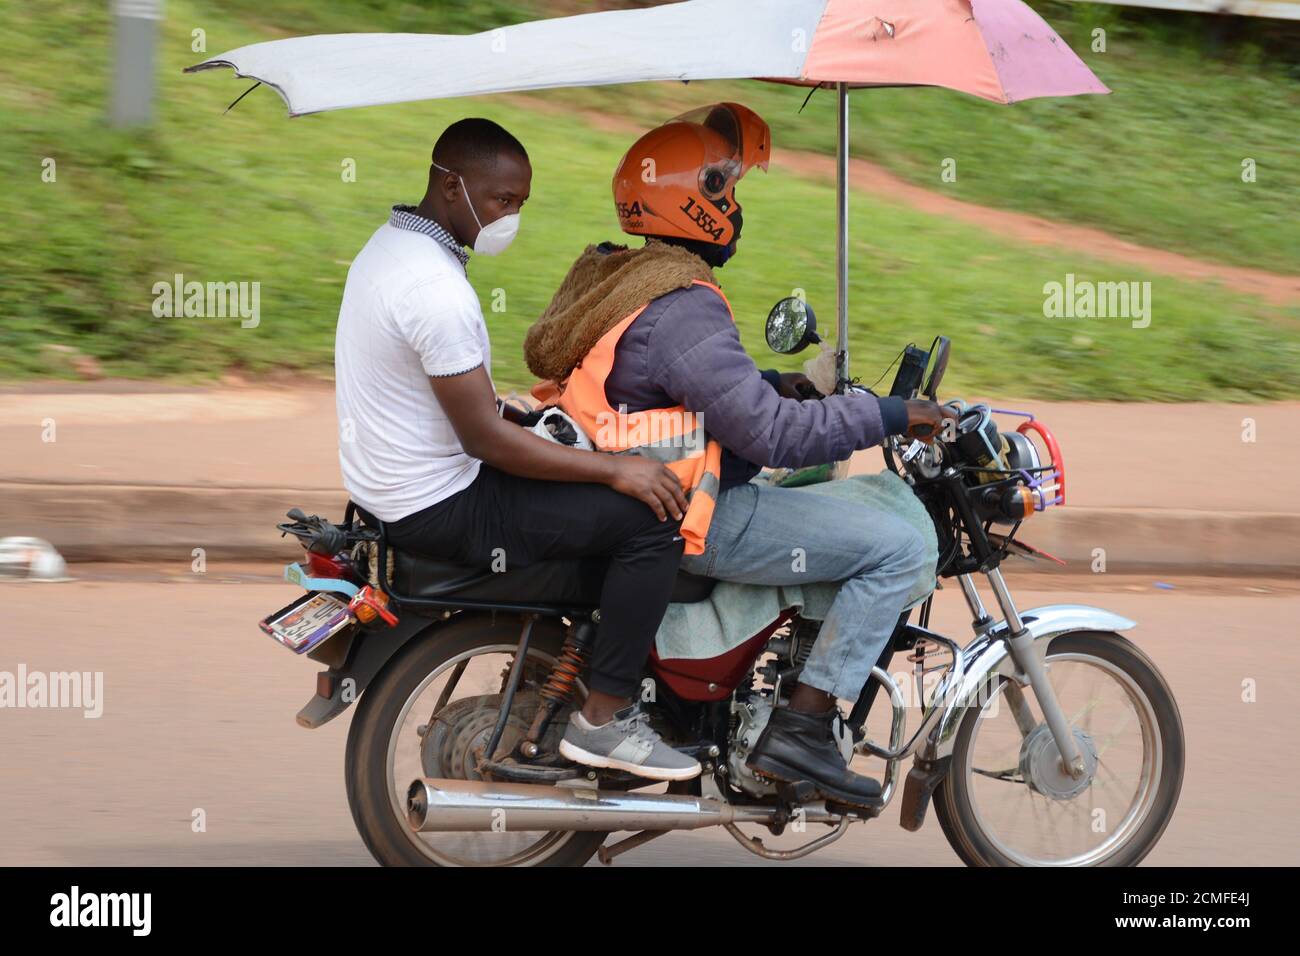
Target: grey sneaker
[{"x": 627, "y": 742}]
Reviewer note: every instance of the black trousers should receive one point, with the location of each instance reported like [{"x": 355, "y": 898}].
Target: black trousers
[{"x": 524, "y": 520}]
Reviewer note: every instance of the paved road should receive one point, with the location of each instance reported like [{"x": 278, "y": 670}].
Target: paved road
[{"x": 198, "y": 714}]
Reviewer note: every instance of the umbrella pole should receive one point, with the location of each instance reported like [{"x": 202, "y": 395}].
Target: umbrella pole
[{"x": 842, "y": 243}]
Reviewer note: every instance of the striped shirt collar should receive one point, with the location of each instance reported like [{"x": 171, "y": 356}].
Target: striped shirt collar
[{"x": 405, "y": 217}]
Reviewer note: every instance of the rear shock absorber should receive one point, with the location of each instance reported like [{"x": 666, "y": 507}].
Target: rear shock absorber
[{"x": 559, "y": 686}]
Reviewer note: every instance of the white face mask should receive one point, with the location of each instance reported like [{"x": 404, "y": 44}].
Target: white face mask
[{"x": 494, "y": 238}]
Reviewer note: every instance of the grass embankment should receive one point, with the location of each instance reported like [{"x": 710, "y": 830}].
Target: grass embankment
[{"x": 253, "y": 196}]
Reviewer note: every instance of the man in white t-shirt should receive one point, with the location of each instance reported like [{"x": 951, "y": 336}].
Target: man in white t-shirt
[{"x": 427, "y": 448}]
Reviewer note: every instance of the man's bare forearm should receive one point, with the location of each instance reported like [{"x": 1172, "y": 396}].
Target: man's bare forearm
[
  {"x": 470, "y": 403},
  {"x": 471, "y": 406},
  {"x": 518, "y": 451}
]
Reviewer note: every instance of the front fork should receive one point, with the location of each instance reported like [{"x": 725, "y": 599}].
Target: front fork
[{"x": 1030, "y": 670}]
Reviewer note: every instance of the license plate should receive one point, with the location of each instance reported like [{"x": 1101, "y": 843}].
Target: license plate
[{"x": 308, "y": 621}]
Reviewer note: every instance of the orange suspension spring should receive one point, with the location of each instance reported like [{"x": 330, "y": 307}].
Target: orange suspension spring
[{"x": 559, "y": 685}]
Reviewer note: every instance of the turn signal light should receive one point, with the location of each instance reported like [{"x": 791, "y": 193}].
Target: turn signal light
[
  {"x": 1020, "y": 503},
  {"x": 1014, "y": 504},
  {"x": 371, "y": 603}
]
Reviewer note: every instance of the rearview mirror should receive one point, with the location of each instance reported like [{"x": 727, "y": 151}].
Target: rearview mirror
[
  {"x": 939, "y": 365},
  {"x": 791, "y": 326}
]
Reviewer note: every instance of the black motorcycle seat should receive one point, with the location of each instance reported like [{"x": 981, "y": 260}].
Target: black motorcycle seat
[{"x": 569, "y": 583}]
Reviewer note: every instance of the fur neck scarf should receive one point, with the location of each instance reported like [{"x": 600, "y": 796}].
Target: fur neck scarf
[{"x": 602, "y": 289}]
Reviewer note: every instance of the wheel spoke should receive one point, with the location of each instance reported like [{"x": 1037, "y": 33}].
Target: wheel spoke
[
  {"x": 1014, "y": 807},
  {"x": 1114, "y": 778},
  {"x": 1106, "y": 744},
  {"x": 1086, "y": 712}
]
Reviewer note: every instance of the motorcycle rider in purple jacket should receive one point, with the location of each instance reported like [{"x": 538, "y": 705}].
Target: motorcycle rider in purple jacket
[{"x": 684, "y": 349}]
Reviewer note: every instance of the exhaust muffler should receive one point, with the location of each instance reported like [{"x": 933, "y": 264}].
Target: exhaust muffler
[{"x": 437, "y": 805}]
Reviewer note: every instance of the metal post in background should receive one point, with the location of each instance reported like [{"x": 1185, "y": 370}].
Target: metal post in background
[
  {"x": 135, "y": 35},
  {"x": 842, "y": 243}
]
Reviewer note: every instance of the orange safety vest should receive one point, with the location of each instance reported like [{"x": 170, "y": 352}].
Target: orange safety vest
[{"x": 672, "y": 435}]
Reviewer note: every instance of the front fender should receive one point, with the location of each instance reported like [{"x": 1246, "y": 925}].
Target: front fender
[{"x": 987, "y": 656}]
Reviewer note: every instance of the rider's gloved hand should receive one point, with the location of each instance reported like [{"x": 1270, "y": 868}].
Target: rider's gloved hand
[
  {"x": 925, "y": 419},
  {"x": 797, "y": 385}
]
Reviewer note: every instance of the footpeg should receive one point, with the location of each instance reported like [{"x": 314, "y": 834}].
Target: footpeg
[
  {"x": 800, "y": 792},
  {"x": 849, "y": 810}
]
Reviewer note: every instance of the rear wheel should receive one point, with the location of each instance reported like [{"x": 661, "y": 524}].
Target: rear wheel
[
  {"x": 1006, "y": 800},
  {"x": 404, "y": 729}
]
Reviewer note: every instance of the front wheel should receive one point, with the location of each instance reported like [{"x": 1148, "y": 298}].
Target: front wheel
[
  {"x": 1007, "y": 800},
  {"x": 427, "y": 714}
]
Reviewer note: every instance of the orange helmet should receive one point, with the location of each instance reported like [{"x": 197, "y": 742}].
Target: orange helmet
[{"x": 680, "y": 179}]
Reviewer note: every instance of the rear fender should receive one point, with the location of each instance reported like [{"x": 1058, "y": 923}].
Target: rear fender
[{"x": 370, "y": 651}]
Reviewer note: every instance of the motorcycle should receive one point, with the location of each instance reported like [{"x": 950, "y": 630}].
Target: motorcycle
[{"x": 1047, "y": 740}]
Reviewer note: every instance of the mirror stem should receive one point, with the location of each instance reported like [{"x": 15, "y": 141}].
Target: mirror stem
[{"x": 842, "y": 244}]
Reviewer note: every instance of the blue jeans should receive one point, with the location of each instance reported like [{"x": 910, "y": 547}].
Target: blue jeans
[{"x": 783, "y": 536}]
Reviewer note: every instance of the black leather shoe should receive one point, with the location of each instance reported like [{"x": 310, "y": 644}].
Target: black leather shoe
[{"x": 795, "y": 746}]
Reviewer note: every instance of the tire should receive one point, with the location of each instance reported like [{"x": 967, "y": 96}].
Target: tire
[
  {"x": 953, "y": 802},
  {"x": 366, "y": 765}
]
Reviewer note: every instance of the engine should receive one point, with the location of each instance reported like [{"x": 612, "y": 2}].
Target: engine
[{"x": 750, "y": 717}]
